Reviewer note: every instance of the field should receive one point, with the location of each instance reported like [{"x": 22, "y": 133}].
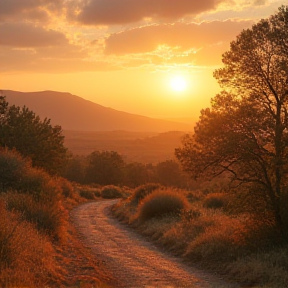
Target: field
[{"x": 143, "y": 147}]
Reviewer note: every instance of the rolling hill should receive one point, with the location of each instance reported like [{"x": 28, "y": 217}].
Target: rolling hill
[{"x": 75, "y": 113}]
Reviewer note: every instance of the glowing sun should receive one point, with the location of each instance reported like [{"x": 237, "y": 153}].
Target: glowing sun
[{"x": 178, "y": 83}]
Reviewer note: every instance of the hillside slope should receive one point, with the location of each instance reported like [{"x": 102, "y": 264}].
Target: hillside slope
[{"x": 75, "y": 113}]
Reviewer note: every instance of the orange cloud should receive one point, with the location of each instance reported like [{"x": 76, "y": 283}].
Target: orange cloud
[
  {"x": 48, "y": 60},
  {"x": 107, "y": 12},
  {"x": 27, "y": 35},
  {"x": 28, "y": 9},
  {"x": 184, "y": 36}
]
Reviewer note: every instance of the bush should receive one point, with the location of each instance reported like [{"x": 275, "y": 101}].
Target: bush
[
  {"x": 144, "y": 190},
  {"x": 12, "y": 168},
  {"x": 160, "y": 203},
  {"x": 111, "y": 192},
  {"x": 87, "y": 194},
  {"x": 67, "y": 188},
  {"x": 215, "y": 200},
  {"x": 46, "y": 216},
  {"x": 34, "y": 181}
]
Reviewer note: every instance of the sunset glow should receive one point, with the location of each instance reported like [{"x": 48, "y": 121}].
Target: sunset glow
[
  {"x": 120, "y": 55},
  {"x": 178, "y": 84}
]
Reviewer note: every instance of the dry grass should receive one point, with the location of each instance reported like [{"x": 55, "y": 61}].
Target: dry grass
[
  {"x": 111, "y": 192},
  {"x": 26, "y": 257},
  {"x": 144, "y": 190},
  {"x": 33, "y": 221},
  {"x": 243, "y": 246},
  {"x": 161, "y": 203}
]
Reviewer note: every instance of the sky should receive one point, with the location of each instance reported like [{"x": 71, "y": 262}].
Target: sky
[{"x": 149, "y": 57}]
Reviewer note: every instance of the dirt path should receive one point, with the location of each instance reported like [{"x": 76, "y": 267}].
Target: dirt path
[{"x": 134, "y": 262}]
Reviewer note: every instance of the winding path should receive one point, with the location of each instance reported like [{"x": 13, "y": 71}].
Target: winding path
[{"x": 134, "y": 262}]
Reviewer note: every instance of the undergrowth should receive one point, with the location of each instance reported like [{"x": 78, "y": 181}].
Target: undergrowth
[
  {"x": 243, "y": 246},
  {"x": 34, "y": 215}
]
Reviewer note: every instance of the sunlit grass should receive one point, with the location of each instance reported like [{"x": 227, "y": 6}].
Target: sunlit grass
[{"x": 238, "y": 245}]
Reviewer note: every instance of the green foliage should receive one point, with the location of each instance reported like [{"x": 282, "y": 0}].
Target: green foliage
[
  {"x": 111, "y": 192},
  {"x": 244, "y": 134},
  {"x": 144, "y": 190},
  {"x": 105, "y": 168},
  {"x": 160, "y": 203},
  {"x": 22, "y": 130}
]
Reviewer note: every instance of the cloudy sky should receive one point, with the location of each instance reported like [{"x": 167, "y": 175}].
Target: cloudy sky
[{"x": 123, "y": 54}]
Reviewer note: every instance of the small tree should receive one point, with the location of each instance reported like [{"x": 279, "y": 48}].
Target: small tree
[
  {"x": 245, "y": 133},
  {"x": 22, "y": 130},
  {"x": 169, "y": 174},
  {"x": 105, "y": 168}
]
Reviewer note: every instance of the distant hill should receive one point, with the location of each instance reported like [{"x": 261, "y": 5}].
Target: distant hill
[
  {"x": 144, "y": 147},
  {"x": 75, "y": 113}
]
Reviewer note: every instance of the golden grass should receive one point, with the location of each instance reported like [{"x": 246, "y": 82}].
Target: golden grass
[
  {"x": 242, "y": 246},
  {"x": 144, "y": 190},
  {"x": 160, "y": 203},
  {"x": 26, "y": 257}
]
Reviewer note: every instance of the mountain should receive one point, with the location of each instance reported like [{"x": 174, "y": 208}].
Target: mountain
[{"x": 75, "y": 113}]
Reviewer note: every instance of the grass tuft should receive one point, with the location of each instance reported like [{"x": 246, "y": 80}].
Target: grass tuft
[
  {"x": 142, "y": 191},
  {"x": 160, "y": 203}
]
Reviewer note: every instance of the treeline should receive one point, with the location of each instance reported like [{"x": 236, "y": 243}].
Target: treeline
[{"x": 110, "y": 168}]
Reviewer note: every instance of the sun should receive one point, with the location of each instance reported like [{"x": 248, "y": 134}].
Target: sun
[{"x": 178, "y": 83}]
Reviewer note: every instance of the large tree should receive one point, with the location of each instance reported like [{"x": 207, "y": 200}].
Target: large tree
[
  {"x": 245, "y": 132},
  {"x": 23, "y": 130}
]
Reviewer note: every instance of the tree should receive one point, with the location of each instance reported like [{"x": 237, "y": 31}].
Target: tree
[
  {"x": 22, "y": 130},
  {"x": 169, "y": 174},
  {"x": 245, "y": 132},
  {"x": 136, "y": 174},
  {"x": 105, "y": 168}
]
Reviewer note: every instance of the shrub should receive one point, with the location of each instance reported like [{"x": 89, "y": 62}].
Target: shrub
[
  {"x": 67, "y": 188},
  {"x": 34, "y": 181},
  {"x": 12, "y": 168},
  {"x": 111, "y": 192},
  {"x": 144, "y": 190},
  {"x": 160, "y": 203},
  {"x": 215, "y": 200},
  {"x": 87, "y": 194},
  {"x": 45, "y": 216}
]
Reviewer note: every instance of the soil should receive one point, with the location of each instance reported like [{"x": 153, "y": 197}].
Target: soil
[{"x": 130, "y": 261}]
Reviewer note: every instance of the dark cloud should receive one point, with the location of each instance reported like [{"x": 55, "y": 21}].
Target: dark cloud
[
  {"x": 26, "y": 35},
  {"x": 22, "y": 9},
  {"x": 184, "y": 36},
  {"x": 107, "y": 12}
]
